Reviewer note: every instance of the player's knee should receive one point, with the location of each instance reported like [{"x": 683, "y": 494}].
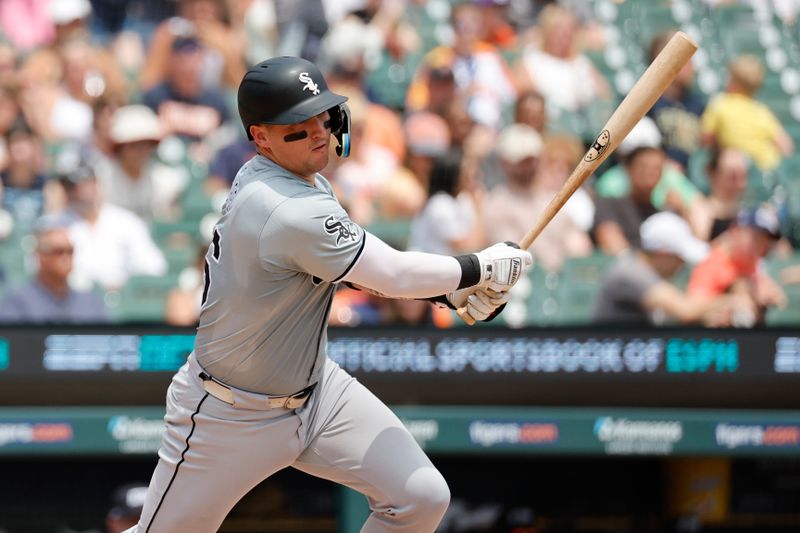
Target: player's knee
[{"x": 429, "y": 495}]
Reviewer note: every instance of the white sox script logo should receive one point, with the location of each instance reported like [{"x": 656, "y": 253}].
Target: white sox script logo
[
  {"x": 309, "y": 83},
  {"x": 343, "y": 230}
]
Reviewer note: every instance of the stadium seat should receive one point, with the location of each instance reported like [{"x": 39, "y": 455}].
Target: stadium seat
[
  {"x": 141, "y": 299},
  {"x": 393, "y": 231},
  {"x": 576, "y": 294},
  {"x": 790, "y": 316}
]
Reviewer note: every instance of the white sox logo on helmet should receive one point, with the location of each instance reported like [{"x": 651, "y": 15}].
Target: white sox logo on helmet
[{"x": 309, "y": 83}]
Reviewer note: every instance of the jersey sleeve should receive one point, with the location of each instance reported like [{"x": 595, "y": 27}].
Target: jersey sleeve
[{"x": 312, "y": 235}]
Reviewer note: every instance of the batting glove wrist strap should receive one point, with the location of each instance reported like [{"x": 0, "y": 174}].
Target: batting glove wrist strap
[{"x": 471, "y": 273}]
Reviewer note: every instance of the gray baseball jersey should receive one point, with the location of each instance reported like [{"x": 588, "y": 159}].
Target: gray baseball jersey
[{"x": 276, "y": 254}]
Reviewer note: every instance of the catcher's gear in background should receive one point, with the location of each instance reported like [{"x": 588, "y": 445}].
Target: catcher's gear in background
[
  {"x": 502, "y": 265},
  {"x": 290, "y": 90}
]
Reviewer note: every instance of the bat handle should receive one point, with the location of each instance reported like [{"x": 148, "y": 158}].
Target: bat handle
[
  {"x": 462, "y": 312},
  {"x": 466, "y": 317}
]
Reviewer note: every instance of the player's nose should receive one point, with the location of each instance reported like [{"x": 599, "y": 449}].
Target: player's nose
[{"x": 316, "y": 126}]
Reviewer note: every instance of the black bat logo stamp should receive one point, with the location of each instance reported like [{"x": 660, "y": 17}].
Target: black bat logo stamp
[
  {"x": 598, "y": 147},
  {"x": 343, "y": 230}
]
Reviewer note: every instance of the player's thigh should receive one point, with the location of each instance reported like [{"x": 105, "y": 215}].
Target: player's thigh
[
  {"x": 359, "y": 442},
  {"x": 211, "y": 455}
]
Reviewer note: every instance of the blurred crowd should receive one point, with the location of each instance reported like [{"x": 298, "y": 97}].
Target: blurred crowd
[{"x": 119, "y": 138}]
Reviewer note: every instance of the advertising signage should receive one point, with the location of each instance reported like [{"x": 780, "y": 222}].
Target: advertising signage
[
  {"x": 482, "y": 365},
  {"x": 471, "y": 430}
]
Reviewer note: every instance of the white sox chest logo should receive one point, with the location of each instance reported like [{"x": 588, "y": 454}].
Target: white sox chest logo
[
  {"x": 309, "y": 83},
  {"x": 343, "y": 230}
]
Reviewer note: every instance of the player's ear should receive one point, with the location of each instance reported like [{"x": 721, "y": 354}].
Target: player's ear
[{"x": 259, "y": 134}]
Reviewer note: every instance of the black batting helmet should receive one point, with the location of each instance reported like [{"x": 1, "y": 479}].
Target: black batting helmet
[{"x": 286, "y": 90}]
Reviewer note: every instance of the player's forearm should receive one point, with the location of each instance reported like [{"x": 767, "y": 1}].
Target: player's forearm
[{"x": 398, "y": 274}]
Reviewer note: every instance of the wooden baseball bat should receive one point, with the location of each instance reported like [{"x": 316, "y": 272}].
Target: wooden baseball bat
[{"x": 647, "y": 89}]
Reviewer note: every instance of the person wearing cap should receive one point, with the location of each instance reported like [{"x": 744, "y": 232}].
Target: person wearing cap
[
  {"x": 735, "y": 263},
  {"x": 111, "y": 243},
  {"x": 637, "y": 288},
  {"x": 48, "y": 297},
  {"x": 126, "y": 507},
  {"x": 185, "y": 106},
  {"x": 258, "y": 392},
  {"x": 131, "y": 178},
  {"x": 223, "y": 48},
  {"x": 529, "y": 165},
  {"x": 735, "y": 119},
  {"x": 480, "y": 73}
]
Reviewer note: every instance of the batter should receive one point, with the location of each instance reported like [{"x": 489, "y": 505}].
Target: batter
[{"x": 258, "y": 393}]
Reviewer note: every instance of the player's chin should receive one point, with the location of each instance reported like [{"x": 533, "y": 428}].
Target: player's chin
[{"x": 319, "y": 159}]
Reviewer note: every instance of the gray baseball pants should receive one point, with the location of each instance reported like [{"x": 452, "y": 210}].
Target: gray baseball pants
[{"x": 213, "y": 453}]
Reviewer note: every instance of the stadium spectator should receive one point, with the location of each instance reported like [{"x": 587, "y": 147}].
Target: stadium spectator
[
  {"x": 560, "y": 155},
  {"x": 226, "y": 163},
  {"x": 27, "y": 193},
  {"x": 673, "y": 190},
  {"x": 440, "y": 85},
  {"x": 451, "y": 220},
  {"x": 111, "y": 243},
  {"x": 480, "y": 73},
  {"x": 727, "y": 172},
  {"x": 220, "y": 50},
  {"x": 28, "y": 24},
  {"x": 126, "y": 507},
  {"x": 617, "y": 220},
  {"x": 184, "y": 105},
  {"x": 498, "y": 30},
  {"x": 735, "y": 119},
  {"x": 475, "y": 140},
  {"x": 427, "y": 137},
  {"x": 637, "y": 290},
  {"x": 530, "y": 109},
  {"x": 48, "y": 297},
  {"x": 677, "y": 112},
  {"x": 58, "y": 87},
  {"x": 133, "y": 179},
  {"x": 527, "y": 190},
  {"x": 735, "y": 265},
  {"x": 557, "y": 69}
]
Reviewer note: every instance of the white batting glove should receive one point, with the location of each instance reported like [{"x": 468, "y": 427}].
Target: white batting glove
[
  {"x": 478, "y": 303},
  {"x": 502, "y": 266},
  {"x": 481, "y": 305}
]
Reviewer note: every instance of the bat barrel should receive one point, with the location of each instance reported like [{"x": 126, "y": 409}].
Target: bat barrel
[{"x": 650, "y": 86}]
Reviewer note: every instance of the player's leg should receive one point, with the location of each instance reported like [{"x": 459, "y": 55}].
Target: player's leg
[
  {"x": 357, "y": 441},
  {"x": 211, "y": 455}
]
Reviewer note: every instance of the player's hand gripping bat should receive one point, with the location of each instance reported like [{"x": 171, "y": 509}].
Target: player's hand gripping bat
[{"x": 647, "y": 89}]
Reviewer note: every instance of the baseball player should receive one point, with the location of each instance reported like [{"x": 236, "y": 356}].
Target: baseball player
[{"x": 258, "y": 392}]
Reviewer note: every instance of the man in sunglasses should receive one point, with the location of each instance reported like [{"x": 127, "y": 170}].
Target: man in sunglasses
[{"x": 48, "y": 298}]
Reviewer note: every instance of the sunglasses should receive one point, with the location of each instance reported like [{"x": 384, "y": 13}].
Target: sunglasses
[{"x": 57, "y": 251}]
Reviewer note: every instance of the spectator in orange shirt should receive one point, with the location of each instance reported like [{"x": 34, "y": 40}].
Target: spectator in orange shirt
[{"x": 734, "y": 264}]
